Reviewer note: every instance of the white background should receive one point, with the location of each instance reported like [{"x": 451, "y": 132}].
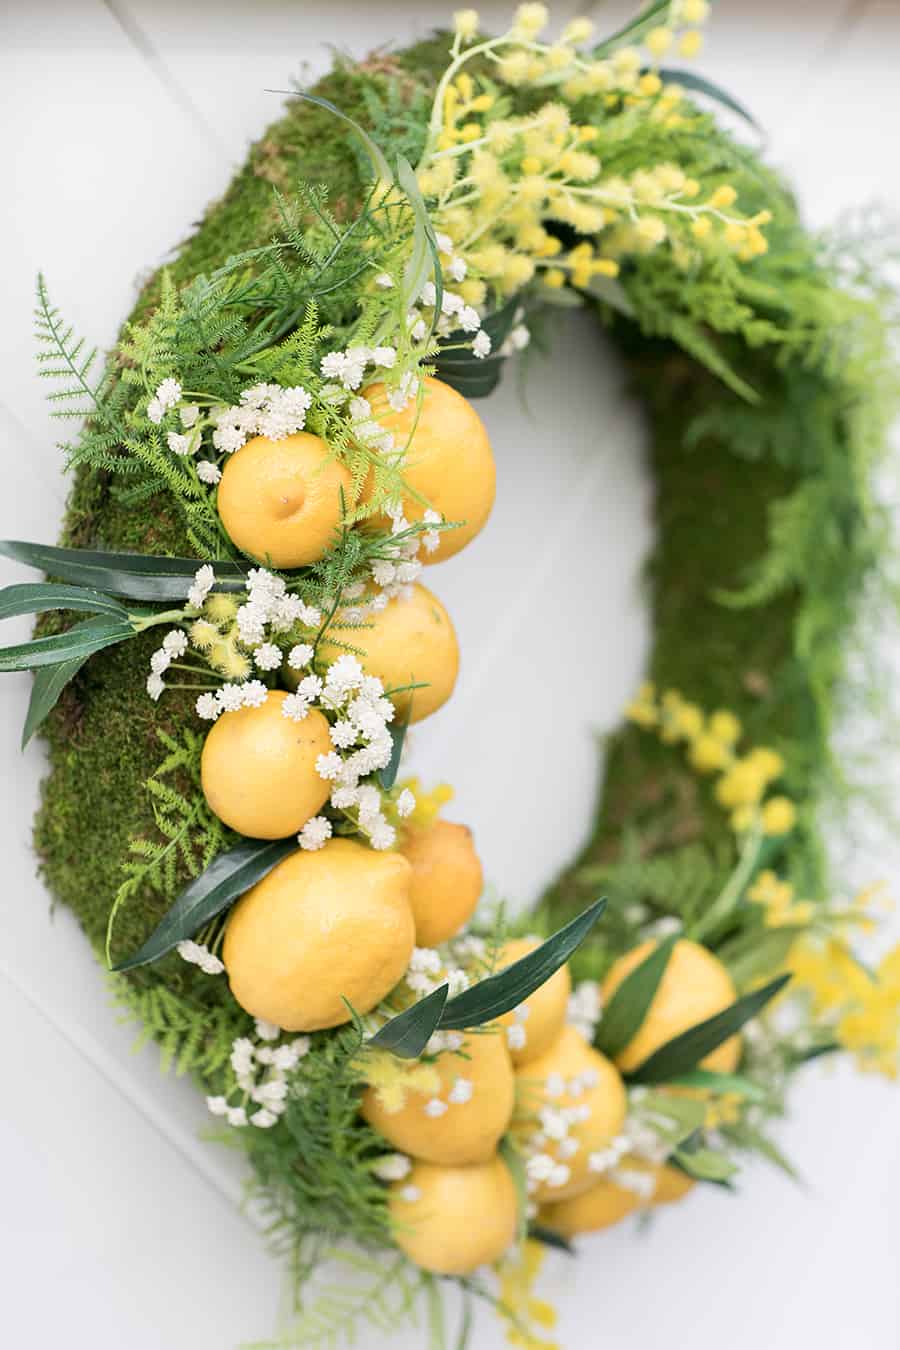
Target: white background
[{"x": 119, "y": 121}]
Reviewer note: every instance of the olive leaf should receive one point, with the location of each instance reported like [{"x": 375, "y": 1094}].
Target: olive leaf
[
  {"x": 407, "y": 1034},
  {"x": 683, "y": 1053},
  {"x": 549, "y": 1238},
  {"x": 471, "y": 375},
  {"x": 492, "y": 997},
  {"x": 705, "y": 1165},
  {"x": 133, "y": 576},
  {"x": 38, "y": 597},
  {"x": 387, "y": 776},
  {"x": 76, "y": 643},
  {"x": 48, "y": 684},
  {"x": 425, "y": 253},
  {"x": 710, "y": 1081},
  {"x": 228, "y": 876},
  {"x": 630, "y": 1003},
  {"x": 701, "y": 85}
]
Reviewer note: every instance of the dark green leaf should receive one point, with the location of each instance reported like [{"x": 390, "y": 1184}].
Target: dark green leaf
[
  {"x": 470, "y": 375},
  {"x": 675, "y": 1161},
  {"x": 550, "y": 1239},
  {"x": 653, "y": 13},
  {"x": 228, "y": 876},
  {"x": 78, "y": 642},
  {"x": 388, "y": 775},
  {"x": 409, "y": 1032},
  {"x": 815, "y": 1052},
  {"x": 36, "y": 597},
  {"x": 630, "y": 1003},
  {"x": 499, "y": 993},
  {"x": 719, "y": 1082},
  {"x": 48, "y": 684},
  {"x": 683, "y": 1053},
  {"x": 135, "y": 576},
  {"x": 700, "y": 85}
]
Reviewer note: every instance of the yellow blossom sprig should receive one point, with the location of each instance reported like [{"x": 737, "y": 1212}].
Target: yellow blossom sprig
[
  {"x": 525, "y": 1315},
  {"x": 712, "y": 749},
  {"x": 859, "y": 1009},
  {"x": 499, "y": 184}
]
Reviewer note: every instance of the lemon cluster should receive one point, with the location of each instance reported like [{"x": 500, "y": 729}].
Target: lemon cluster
[{"x": 743, "y": 779}]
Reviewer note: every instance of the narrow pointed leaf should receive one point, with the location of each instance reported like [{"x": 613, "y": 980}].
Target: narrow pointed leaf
[
  {"x": 228, "y": 876},
  {"x": 48, "y": 684},
  {"x": 134, "y": 576},
  {"x": 376, "y": 155},
  {"x": 499, "y": 993},
  {"x": 700, "y": 85},
  {"x": 683, "y": 1053},
  {"x": 710, "y": 1081},
  {"x": 78, "y": 642},
  {"x": 38, "y": 597},
  {"x": 516, "y": 1165},
  {"x": 388, "y": 775},
  {"x": 550, "y": 1239},
  {"x": 409, "y": 1032},
  {"x": 635, "y": 28},
  {"x": 630, "y": 1003},
  {"x": 677, "y": 1161},
  {"x": 425, "y": 250},
  {"x": 470, "y": 375}
]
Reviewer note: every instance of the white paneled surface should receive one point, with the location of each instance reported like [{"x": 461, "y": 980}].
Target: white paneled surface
[{"x": 118, "y": 1226}]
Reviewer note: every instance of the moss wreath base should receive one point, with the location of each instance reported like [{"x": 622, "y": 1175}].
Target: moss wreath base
[{"x": 566, "y": 171}]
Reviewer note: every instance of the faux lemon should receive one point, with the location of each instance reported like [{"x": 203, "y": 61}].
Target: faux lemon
[
  {"x": 695, "y": 986},
  {"x": 574, "y": 1098},
  {"x": 449, "y": 461},
  {"x": 280, "y": 501},
  {"x": 446, "y": 879},
  {"x": 258, "y": 769},
  {"x": 451, "y": 1220},
  {"x": 464, "y": 1119},
  {"x": 542, "y": 1016},
  {"x": 322, "y": 927},
  {"x": 607, "y": 1202},
  {"x": 410, "y": 641}
]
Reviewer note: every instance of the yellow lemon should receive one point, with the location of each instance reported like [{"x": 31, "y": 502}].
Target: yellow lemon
[
  {"x": 603, "y": 1205},
  {"x": 570, "y": 1085},
  {"x": 446, "y": 879},
  {"x": 695, "y": 986},
  {"x": 410, "y": 641},
  {"x": 280, "y": 501},
  {"x": 449, "y": 461},
  {"x": 545, "y": 1010},
  {"x": 323, "y": 926},
  {"x": 258, "y": 769},
  {"x": 607, "y": 1202},
  {"x": 451, "y": 1220},
  {"x": 464, "y": 1120}
]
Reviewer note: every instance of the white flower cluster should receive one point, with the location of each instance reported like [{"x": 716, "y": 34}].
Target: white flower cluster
[
  {"x": 639, "y": 1138},
  {"x": 198, "y": 955},
  {"x": 584, "y": 1009},
  {"x": 264, "y": 410},
  {"x": 549, "y": 1147},
  {"x": 261, "y": 1070},
  {"x": 174, "y": 645},
  {"x": 347, "y": 369},
  {"x": 167, "y": 396},
  {"x": 270, "y": 605},
  {"x": 455, "y": 314}
]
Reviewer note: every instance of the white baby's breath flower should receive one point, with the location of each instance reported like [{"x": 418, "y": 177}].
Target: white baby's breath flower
[
  {"x": 315, "y": 833},
  {"x": 329, "y": 766},
  {"x": 175, "y": 642},
  {"x": 230, "y": 697},
  {"x": 406, "y": 803},
  {"x": 457, "y": 269},
  {"x": 208, "y": 707},
  {"x": 237, "y": 1117},
  {"x": 516, "y": 1037},
  {"x": 217, "y": 1106},
  {"x": 300, "y": 655},
  {"x": 160, "y": 661},
  {"x": 410, "y": 1194},
  {"x": 155, "y": 411},
  {"x": 179, "y": 445},
  {"x": 267, "y": 1031},
  {"x": 267, "y": 656},
  {"x": 435, "y": 1108},
  {"x": 264, "y": 1119},
  {"x": 188, "y": 414},
  {"x": 208, "y": 472},
  {"x": 481, "y": 344},
  {"x": 254, "y": 693},
  {"x": 168, "y": 393},
  {"x": 461, "y": 1092},
  {"x": 155, "y": 686},
  {"x": 204, "y": 580},
  {"x": 198, "y": 955},
  {"x": 384, "y": 281},
  {"x": 385, "y": 357},
  {"x": 382, "y": 835}
]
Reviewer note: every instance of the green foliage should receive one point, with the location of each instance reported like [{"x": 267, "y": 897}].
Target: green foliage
[{"x": 194, "y": 1036}]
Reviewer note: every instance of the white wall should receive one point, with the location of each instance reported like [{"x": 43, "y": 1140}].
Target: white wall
[{"x": 118, "y": 1227}]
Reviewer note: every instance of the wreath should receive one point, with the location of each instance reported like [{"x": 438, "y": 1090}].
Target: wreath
[{"x": 236, "y": 635}]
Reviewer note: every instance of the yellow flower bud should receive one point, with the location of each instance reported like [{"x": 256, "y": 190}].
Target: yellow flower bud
[
  {"x": 723, "y": 197},
  {"x": 530, "y": 20},
  {"x": 577, "y": 30},
  {"x": 471, "y": 131},
  {"x": 531, "y": 164},
  {"x": 658, "y": 41},
  {"x": 691, "y": 43},
  {"x": 707, "y": 754},
  {"x": 778, "y": 816},
  {"x": 482, "y": 103},
  {"x": 554, "y": 278},
  {"x": 560, "y": 56},
  {"x": 466, "y": 23},
  {"x": 725, "y": 727},
  {"x": 649, "y": 84},
  {"x": 701, "y": 227},
  {"x": 694, "y": 11}
]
